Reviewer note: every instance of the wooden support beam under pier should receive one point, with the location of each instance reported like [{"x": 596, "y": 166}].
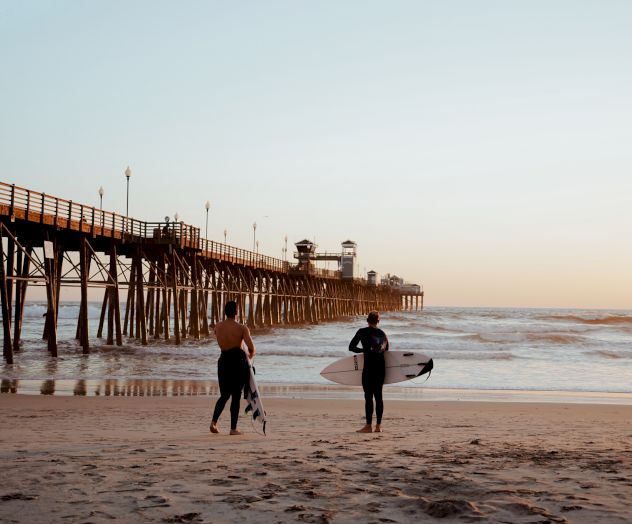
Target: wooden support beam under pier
[{"x": 7, "y": 346}]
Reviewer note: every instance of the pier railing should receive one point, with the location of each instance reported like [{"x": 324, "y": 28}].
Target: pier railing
[
  {"x": 20, "y": 203},
  {"x": 235, "y": 255},
  {"x": 32, "y": 206}
]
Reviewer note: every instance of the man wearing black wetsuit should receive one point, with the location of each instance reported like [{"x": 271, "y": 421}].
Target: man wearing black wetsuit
[{"x": 374, "y": 343}]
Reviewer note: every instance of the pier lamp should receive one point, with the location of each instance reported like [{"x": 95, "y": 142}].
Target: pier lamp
[
  {"x": 257, "y": 250},
  {"x": 254, "y": 234},
  {"x": 176, "y": 217},
  {"x": 225, "y": 233},
  {"x": 128, "y": 174},
  {"x": 101, "y": 191},
  {"x": 285, "y": 248},
  {"x": 207, "y": 206}
]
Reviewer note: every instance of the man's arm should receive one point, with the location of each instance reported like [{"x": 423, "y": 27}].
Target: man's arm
[
  {"x": 248, "y": 340},
  {"x": 353, "y": 345}
]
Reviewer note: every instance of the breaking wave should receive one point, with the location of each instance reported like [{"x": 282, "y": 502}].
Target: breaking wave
[
  {"x": 470, "y": 355},
  {"x": 607, "y": 320},
  {"x": 516, "y": 338},
  {"x": 610, "y": 354}
]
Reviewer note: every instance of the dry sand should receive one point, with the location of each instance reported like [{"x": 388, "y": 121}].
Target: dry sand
[{"x": 130, "y": 459}]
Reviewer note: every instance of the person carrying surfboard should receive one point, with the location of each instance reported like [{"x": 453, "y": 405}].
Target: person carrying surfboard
[
  {"x": 374, "y": 343},
  {"x": 232, "y": 367}
]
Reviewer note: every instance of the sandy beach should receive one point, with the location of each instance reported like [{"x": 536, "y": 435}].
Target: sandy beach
[{"x": 131, "y": 459}]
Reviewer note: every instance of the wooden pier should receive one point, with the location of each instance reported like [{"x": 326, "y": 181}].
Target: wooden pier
[{"x": 176, "y": 282}]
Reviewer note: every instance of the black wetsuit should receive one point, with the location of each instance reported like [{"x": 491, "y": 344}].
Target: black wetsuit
[
  {"x": 374, "y": 344},
  {"x": 232, "y": 374}
]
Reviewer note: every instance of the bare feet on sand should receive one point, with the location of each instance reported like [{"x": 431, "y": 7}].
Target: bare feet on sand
[
  {"x": 378, "y": 429},
  {"x": 366, "y": 429},
  {"x": 214, "y": 428},
  {"x": 235, "y": 432}
]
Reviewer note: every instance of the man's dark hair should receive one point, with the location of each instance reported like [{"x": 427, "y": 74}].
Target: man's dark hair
[
  {"x": 230, "y": 309},
  {"x": 373, "y": 318}
]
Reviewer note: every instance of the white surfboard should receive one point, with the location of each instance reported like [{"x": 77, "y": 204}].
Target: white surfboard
[
  {"x": 400, "y": 366},
  {"x": 254, "y": 405}
]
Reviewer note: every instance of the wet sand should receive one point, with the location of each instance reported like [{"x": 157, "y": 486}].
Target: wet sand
[{"x": 152, "y": 459}]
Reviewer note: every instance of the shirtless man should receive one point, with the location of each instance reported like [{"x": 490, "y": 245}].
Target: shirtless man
[{"x": 232, "y": 366}]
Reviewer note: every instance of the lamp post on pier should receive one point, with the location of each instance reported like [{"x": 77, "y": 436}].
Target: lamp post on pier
[
  {"x": 128, "y": 174},
  {"x": 101, "y": 191},
  {"x": 225, "y": 233},
  {"x": 207, "y": 206},
  {"x": 286, "y": 248},
  {"x": 254, "y": 234}
]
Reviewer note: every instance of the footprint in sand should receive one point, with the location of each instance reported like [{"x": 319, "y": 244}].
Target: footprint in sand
[
  {"x": 295, "y": 508},
  {"x": 221, "y": 482},
  {"x": 153, "y": 501},
  {"x": 241, "y": 499},
  {"x": 185, "y": 517},
  {"x": 446, "y": 508},
  {"x": 156, "y": 498},
  {"x": 17, "y": 496}
]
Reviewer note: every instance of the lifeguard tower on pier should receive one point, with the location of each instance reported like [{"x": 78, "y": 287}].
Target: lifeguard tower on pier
[
  {"x": 306, "y": 256},
  {"x": 348, "y": 259}
]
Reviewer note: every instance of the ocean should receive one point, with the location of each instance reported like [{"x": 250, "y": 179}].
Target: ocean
[{"x": 513, "y": 350}]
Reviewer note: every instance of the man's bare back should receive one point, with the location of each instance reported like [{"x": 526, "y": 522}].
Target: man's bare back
[{"x": 230, "y": 334}]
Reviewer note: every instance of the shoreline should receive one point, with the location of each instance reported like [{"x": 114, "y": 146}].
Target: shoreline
[
  {"x": 185, "y": 387},
  {"x": 153, "y": 460}
]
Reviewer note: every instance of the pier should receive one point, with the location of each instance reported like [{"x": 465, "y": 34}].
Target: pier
[{"x": 174, "y": 282}]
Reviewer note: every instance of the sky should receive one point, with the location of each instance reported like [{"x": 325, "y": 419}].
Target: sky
[{"x": 480, "y": 149}]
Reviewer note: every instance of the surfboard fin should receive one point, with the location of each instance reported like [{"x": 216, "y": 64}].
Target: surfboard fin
[{"x": 427, "y": 368}]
